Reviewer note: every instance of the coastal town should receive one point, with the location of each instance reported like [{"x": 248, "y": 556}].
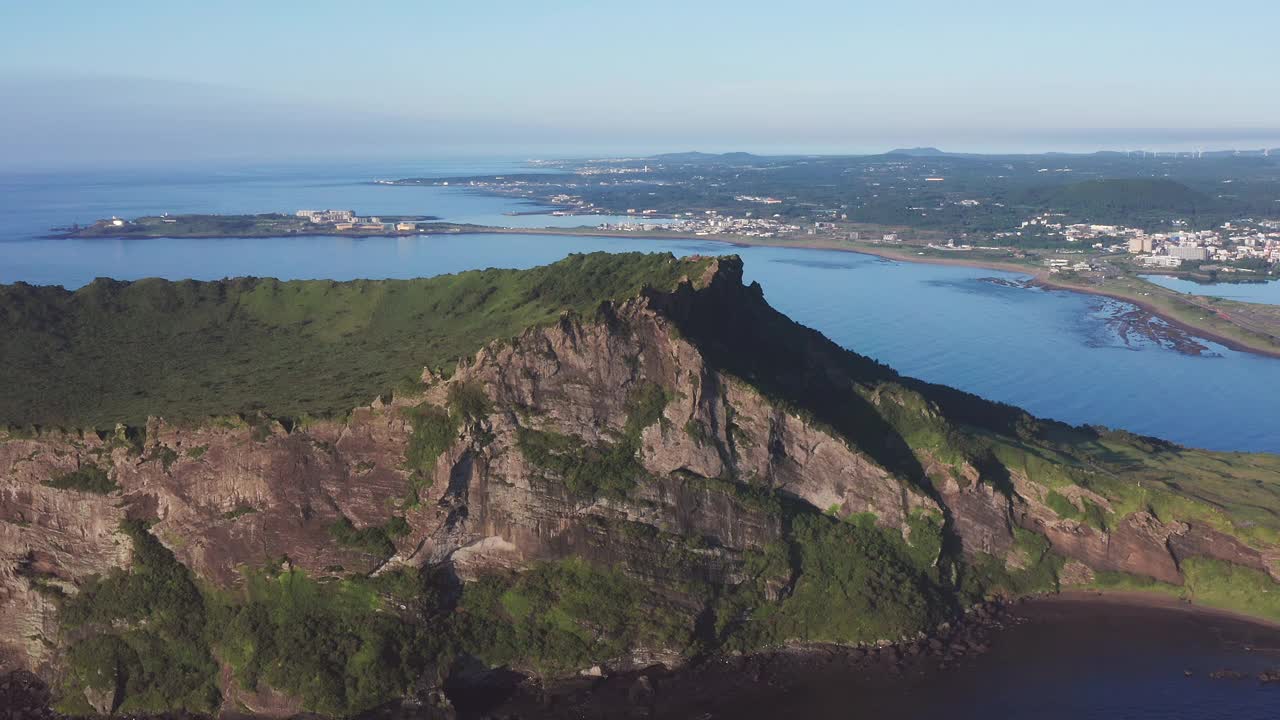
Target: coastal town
[
  {"x": 709, "y": 223},
  {"x": 1074, "y": 226},
  {"x": 1243, "y": 247},
  {"x": 1235, "y": 247},
  {"x": 1067, "y": 214}
]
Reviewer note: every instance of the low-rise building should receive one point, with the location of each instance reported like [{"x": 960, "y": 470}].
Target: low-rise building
[
  {"x": 328, "y": 216},
  {"x": 1167, "y": 261}
]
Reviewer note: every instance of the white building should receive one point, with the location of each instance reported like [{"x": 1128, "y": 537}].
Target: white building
[
  {"x": 1188, "y": 252},
  {"x": 1167, "y": 261},
  {"x": 328, "y": 216}
]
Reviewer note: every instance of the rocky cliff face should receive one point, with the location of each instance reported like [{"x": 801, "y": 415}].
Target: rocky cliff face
[{"x": 225, "y": 496}]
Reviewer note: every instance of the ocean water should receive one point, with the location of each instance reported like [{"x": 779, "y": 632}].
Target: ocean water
[
  {"x": 1058, "y": 354},
  {"x": 33, "y": 203},
  {"x": 1067, "y": 660},
  {"x": 1266, "y": 293}
]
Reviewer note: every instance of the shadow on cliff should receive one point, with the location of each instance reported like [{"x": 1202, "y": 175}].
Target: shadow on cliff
[{"x": 795, "y": 367}]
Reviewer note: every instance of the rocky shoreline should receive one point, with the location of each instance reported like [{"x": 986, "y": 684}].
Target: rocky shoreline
[
  {"x": 706, "y": 685},
  {"x": 734, "y": 685},
  {"x": 654, "y": 691},
  {"x": 759, "y": 684}
]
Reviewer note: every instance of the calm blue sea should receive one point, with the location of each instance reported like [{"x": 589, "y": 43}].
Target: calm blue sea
[{"x": 1058, "y": 354}]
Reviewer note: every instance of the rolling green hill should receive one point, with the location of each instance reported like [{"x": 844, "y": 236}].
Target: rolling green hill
[{"x": 118, "y": 352}]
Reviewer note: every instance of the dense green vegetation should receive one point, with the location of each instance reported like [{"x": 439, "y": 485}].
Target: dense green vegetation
[
  {"x": 1208, "y": 582},
  {"x": 436, "y": 428},
  {"x": 154, "y": 634},
  {"x": 848, "y": 582},
  {"x": 342, "y": 646},
  {"x": 645, "y": 404},
  {"x": 329, "y": 644},
  {"x": 984, "y": 575},
  {"x": 143, "y": 632},
  {"x": 1135, "y": 201},
  {"x": 375, "y": 540},
  {"x": 120, "y": 352},
  {"x": 87, "y": 478},
  {"x": 1091, "y": 515},
  {"x": 1232, "y": 587},
  {"x": 608, "y": 469},
  {"x": 602, "y": 469},
  {"x": 558, "y": 617},
  {"x": 1127, "y": 582}
]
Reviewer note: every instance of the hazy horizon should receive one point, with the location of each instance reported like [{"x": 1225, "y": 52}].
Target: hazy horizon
[{"x": 153, "y": 83}]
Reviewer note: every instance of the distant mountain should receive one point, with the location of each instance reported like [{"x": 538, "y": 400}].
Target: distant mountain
[{"x": 918, "y": 152}]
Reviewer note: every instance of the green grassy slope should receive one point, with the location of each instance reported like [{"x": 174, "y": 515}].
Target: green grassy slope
[{"x": 118, "y": 352}]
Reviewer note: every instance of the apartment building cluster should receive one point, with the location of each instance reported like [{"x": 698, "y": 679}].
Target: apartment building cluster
[
  {"x": 1227, "y": 244},
  {"x": 1230, "y": 243},
  {"x": 711, "y": 222}
]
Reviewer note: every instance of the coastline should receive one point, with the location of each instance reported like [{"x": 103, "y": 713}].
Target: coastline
[
  {"x": 1039, "y": 277},
  {"x": 1206, "y": 333},
  {"x": 1261, "y": 346},
  {"x": 912, "y": 678},
  {"x": 1139, "y": 599}
]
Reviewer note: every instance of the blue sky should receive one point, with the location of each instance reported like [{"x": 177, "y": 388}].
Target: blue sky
[{"x": 177, "y": 79}]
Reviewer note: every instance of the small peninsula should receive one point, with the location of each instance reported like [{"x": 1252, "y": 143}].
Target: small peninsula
[{"x": 304, "y": 222}]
